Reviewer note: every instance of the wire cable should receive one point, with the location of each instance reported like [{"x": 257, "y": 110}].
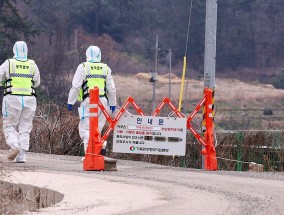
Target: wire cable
[{"x": 189, "y": 21}]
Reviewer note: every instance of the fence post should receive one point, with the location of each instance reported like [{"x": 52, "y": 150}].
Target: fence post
[
  {"x": 209, "y": 152},
  {"x": 93, "y": 159},
  {"x": 240, "y": 137}
]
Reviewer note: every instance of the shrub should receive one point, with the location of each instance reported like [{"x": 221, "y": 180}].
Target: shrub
[
  {"x": 278, "y": 81},
  {"x": 55, "y": 131}
]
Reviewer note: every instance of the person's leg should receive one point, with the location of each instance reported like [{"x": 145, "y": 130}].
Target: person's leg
[
  {"x": 11, "y": 110},
  {"x": 26, "y": 121},
  {"x": 84, "y": 131},
  {"x": 102, "y": 118},
  {"x": 84, "y": 123},
  {"x": 26, "y": 125}
]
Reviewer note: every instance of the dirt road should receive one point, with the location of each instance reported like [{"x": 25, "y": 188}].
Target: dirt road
[{"x": 143, "y": 188}]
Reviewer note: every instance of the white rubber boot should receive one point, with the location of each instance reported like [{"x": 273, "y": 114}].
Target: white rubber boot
[
  {"x": 13, "y": 153},
  {"x": 21, "y": 157}
]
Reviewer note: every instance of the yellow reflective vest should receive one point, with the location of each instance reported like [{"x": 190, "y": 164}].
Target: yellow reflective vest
[
  {"x": 20, "y": 81},
  {"x": 95, "y": 74}
]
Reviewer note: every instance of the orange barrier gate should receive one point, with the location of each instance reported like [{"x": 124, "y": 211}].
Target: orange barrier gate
[{"x": 209, "y": 152}]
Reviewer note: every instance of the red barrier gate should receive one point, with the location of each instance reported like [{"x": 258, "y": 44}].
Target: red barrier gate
[{"x": 209, "y": 152}]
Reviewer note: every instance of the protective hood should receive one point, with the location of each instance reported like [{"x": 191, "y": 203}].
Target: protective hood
[
  {"x": 20, "y": 51},
  {"x": 93, "y": 54}
]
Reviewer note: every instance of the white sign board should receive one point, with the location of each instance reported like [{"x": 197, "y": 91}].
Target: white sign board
[{"x": 150, "y": 135}]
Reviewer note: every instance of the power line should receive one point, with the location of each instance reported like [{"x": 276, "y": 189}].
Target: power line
[{"x": 189, "y": 21}]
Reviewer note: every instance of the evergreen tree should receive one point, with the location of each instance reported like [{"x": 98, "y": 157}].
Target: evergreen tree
[{"x": 12, "y": 27}]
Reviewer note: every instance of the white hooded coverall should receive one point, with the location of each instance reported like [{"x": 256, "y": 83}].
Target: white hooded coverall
[
  {"x": 18, "y": 110},
  {"x": 93, "y": 55}
]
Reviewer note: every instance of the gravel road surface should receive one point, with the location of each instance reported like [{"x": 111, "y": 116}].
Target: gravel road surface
[{"x": 144, "y": 188}]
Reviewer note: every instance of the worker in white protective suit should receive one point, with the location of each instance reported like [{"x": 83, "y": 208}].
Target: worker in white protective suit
[
  {"x": 20, "y": 76},
  {"x": 88, "y": 75}
]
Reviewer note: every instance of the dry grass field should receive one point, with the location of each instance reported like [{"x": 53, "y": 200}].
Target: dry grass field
[{"x": 238, "y": 105}]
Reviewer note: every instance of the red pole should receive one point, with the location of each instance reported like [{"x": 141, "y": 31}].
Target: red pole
[
  {"x": 209, "y": 152},
  {"x": 93, "y": 159}
]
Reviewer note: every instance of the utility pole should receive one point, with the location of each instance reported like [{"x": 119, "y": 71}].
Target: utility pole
[
  {"x": 210, "y": 52},
  {"x": 170, "y": 75},
  {"x": 155, "y": 75},
  {"x": 210, "y": 44}
]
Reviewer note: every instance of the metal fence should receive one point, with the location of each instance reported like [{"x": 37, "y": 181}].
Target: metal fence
[{"x": 235, "y": 151}]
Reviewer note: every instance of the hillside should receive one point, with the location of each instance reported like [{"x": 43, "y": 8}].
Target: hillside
[
  {"x": 249, "y": 33},
  {"x": 249, "y": 49},
  {"x": 239, "y": 105}
]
